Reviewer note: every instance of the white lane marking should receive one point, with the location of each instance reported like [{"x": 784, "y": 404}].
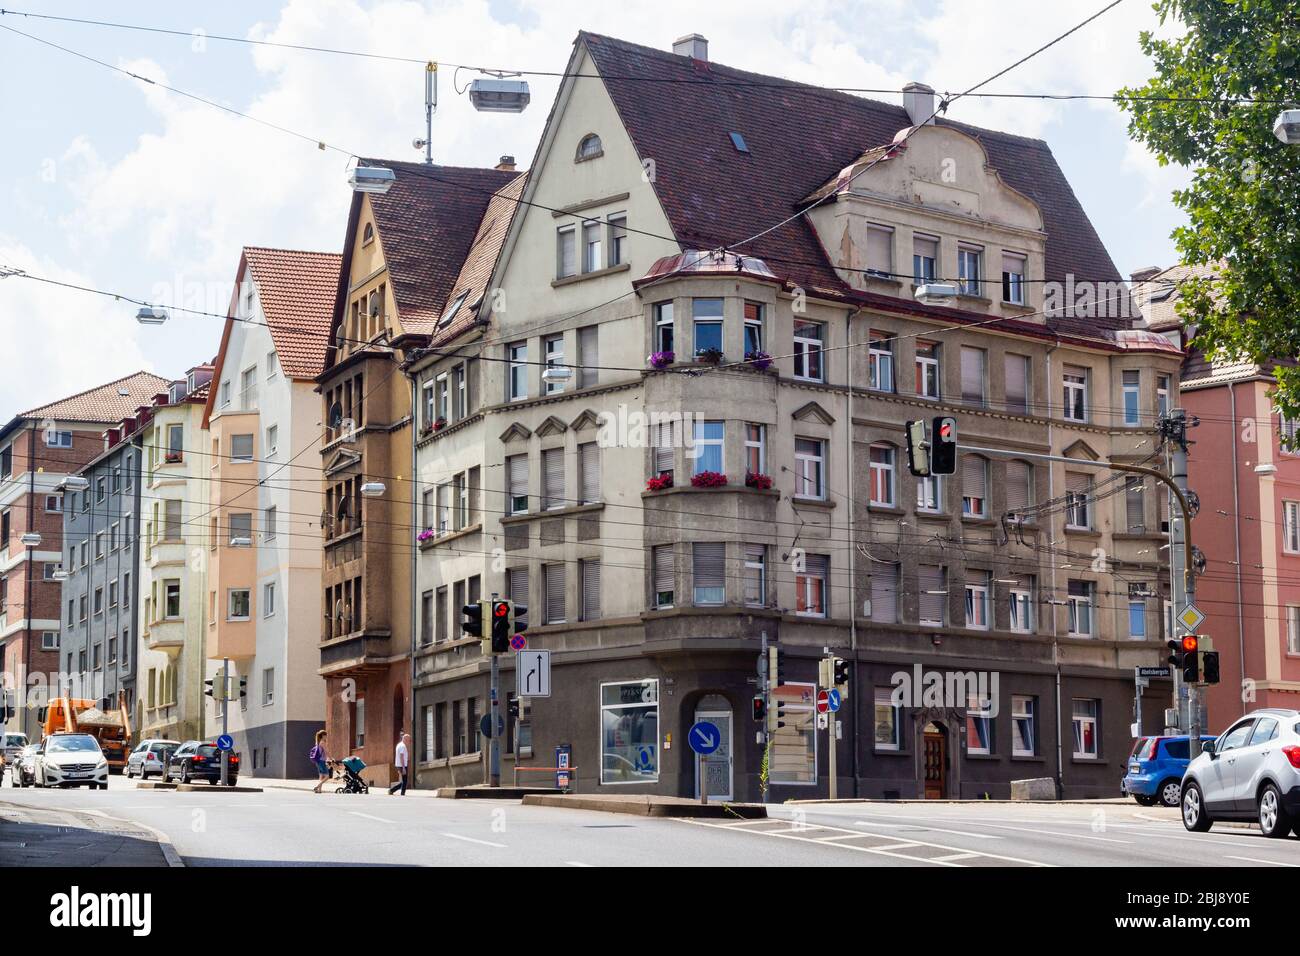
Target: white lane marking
[
  {"x": 977, "y": 836},
  {"x": 749, "y": 823},
  {"x": 954, "y": 856},
  {"x": 457, "y": 836},
  {"x": 370, "y": 816},
  {"x": 897, "y": 846},
  {"x": 577, "y": 863},
  {"x": 1251, "y": 859},
  {"x": 1068, "y": 836}
]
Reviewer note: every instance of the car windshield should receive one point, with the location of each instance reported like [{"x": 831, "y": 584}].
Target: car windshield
[
  {"x": 71, "y": 744},
  {"x": 207, "y": 750},
  {"x": 15, "y": 740}
]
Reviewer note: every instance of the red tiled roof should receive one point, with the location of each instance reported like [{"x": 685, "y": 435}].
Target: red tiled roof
[
  {"x": 296, "y": 290},
  {"x": 427, "y": 223},
  {"x": 104, "y": 404},
  {"x": 799, "y": 137}
]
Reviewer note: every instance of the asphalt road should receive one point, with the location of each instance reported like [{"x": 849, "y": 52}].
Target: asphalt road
[{"x": 292, "y": 827}]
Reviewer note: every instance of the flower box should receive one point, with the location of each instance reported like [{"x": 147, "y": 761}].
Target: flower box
[
  {"x": 659, "y": 482},
  {"x": 709, "y": 356},
  {"x": 761, "y": 482},
  {"x": 708, "y": 479},
  {"x": 172, "y": 457},
  {"x": 759, "y": 360},
  {"x": 661, "y": 359},
  {"x": 428, "y": 534}
]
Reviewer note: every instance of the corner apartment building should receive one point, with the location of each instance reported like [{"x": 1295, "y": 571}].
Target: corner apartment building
[
  {"x": 263, "y": 539},
  {"x": 1247, "y": 476},
  {"x": 402, "y": 252},
  {"x": 38, "y": 449},
  {"x": 727, "y": 459},
  {"x": 173, "y": 571}
]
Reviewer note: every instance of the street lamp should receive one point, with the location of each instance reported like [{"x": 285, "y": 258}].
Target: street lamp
[
  {"x": 373, "y": 489},
  {"x": 75, "y": 483},
  {"x": 1266, "y": 469},
  {"x": 151, "y": 315},
  {"x": 371, "y": 179},
  {"x": 31, "y": 539},
  {"x": 557, "y": 374},
  {"x": 935, "y": 293},
  {"x": 241, "y": 542},
  {"x": 499, "y": 95},
  {"x": 1287, "y": 127}
]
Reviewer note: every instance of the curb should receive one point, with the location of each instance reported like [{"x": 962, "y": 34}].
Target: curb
[
  {"x": 489, "y": 793},
  {"x": 1099, "y": 802},
  {"x": 212, "y": 788},
  {"x": 164, "y": 842},
  {"x": 650, "y": 808}
]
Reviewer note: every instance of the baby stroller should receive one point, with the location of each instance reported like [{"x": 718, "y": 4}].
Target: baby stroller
[{"x": 351, "y": 768}]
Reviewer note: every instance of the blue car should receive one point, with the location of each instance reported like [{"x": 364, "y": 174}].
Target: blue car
[{"x": 1155, "y": 770}]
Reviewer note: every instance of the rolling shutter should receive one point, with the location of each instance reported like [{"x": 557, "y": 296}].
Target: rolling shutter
[
  {"x": 1017, "y": 383},
  {"x": 553, "y": 478},
  {"x": 517, "y": 586},
  {"x": 662, "y": 558},
  {"x": 1134, "y": 504},
  {"x": 974, "y": 477},
  {"x": 884, "y": 592},
  {"x": 517, "y": 467},
  {"x": 710, "y": 572},
  {"x": 554, "y": 574},
  {"x": 589, "y": 465},
  {"x": 880, "y": 242},
  {"x": 972, "y": 376},
  {"x": 929, "y": 581},
  {"x": 663, "y": 450},
  {"x": 588, "y": 357},
  {"x": 591, "y": 590},
  {"x": 1018, "y": 477}
]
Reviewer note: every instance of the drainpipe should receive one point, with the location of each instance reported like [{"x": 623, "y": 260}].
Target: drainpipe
[
  {"x": 1236, "y": 540},
  {"x": 1051, "y": 544},
  {"x": 27, "y": 575},
  {"x": 415, "y": 557},
  {"x": 853, "y": 576}
]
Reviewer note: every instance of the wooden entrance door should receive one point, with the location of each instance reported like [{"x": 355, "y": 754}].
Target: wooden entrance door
[{"x": 935, "y": 765}]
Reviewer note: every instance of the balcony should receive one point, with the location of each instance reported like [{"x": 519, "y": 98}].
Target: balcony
[
  {"x": 355, "y": 653},
  {"x": 167, "y": 635}
]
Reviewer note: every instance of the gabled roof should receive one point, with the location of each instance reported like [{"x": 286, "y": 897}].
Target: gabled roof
[
  {"x": 296, "y": 290},
  {"x": 680, "y": 112},
  {"x": 105, "y": 404}
]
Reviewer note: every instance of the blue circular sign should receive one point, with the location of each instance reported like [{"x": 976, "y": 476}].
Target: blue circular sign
[
  {"x": 704, "y": 737},
  {"x": 833, "y": 700},
  {"x": 519, "y": 642},
  {"x": 225, "y": 742}
]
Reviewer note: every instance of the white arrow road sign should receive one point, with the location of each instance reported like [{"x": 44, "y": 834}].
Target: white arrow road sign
[{"x": 533, "y": 673}]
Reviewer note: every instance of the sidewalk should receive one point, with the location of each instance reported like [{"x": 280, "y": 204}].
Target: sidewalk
[
  {"x": 279, "y": 783},
  {"x": 31, "y": 836}
]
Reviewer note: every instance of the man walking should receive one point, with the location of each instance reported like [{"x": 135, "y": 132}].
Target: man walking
[{"x": 402, "y": 760}]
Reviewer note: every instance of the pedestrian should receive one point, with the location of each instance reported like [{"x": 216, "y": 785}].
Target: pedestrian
[
  {"x": 317, "y": 756},
  {"x": 402, "y": 760}
]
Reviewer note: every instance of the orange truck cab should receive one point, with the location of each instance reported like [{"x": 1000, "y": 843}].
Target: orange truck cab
[{"x": 76, "y": 715}]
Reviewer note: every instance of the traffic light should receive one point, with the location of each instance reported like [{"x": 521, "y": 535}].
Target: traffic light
[
  {"x": 918, "y": 449},
  {"x": 209, "y": 687},
  {"x": 243, "y": 687},
  {"x": 512, "y": 708},
  {"x": 1210, "y": 667},
  {"x": 472, "y": 620},
  {"x": 774, "y": 709},
  {"x": 1191, "y": 660},
  {"x": 501, "y": 631},
  {"x": 943, "y": 446},
  {"x": 841, "y": 673},
  {"x": 760, "y": 707},
  {"x": 518, "y": 618}
]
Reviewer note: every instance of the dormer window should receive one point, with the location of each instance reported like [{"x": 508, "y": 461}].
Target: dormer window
[
  {"x": 450, "y": 314},
  {"x": 589, "y": 148}
]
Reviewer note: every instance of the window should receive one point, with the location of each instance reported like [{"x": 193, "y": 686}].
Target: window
[
  {"x": 753, "y": 328},
  {"x": 972, "y": 376},
  {"x": 237, "y": 604},
  {"x": 268, "y": 599},
  {"x": 171, "y": 599},
  {"x": 590, "y": 147},
  {"x": 1134, "y": 505},
  {"x": 175, "y": 443},
  {"x": 241, "y": 447},
  {"x": 591, "y": 246},
  {"x": 269, "y": 523},
  {"x": 590, "y": 574},
  {"x": 99, "y": 601},
  {"x": 808, "y": 343},
  {"x": 460, "y": 390},
  {"x": 553, "y": 479},
  {"x": 755, "y": 580},
  {"x": 225, "y": 394},
  {"x": 709, "y": 568},
  {"x": 884, "y": 592},
  {"x": 927, "y": 370},
  {"x": 629, "y": 732},
  {"x": 1079, "y": 603},
  {"x": 811, "y": 585},
  {"x": 101, "y": 489},
  {"x": 427, "y": 403},
  {"x": 553, "y": 583},
  {"x": 553, "y": 350},
  {"x": 248, "y": 388},
  {"x": 272, "y": 440},
  {"x": 359, "y": 723},
  {"x": 1021, "y": 601},
  {"x": 979, "y": 725},
  {"x": 663, "y": 567},
  {"x": 974, "y": 486},
  {"x": 933, "y": 596},
  {"x": 99, "y": 545},
  {"x": 517, "y": 477},
  {"x": 706, "y": 314},
  {"x": 929, "y": 494},
  {"x": 112, "y": 594},
  {"x": 566, "y": 262},
  {"x": 755, "y": 449},
  {"x": 53, "y": 504},
  {"x": 1132, "y": 380},
  {"x": 977, "y": 599},
  {"x": 517, "y": 376},
  {"x": 589, "y": 472},
  {"x": 1162, "y": 395},
  {"x": 882, "y": 475},
  {"x": 810, "y": 468},
  {"x": 1291, "y": 527},
  {"x": 588, "y": 356},
  {"x": 6, "y": 462},
  {"x": 1024, "y": 735},
  {"x": 1292, "y": 629},
  {"x": 272, "y": 365},
  {"x": 241, "y": 529},
  {"x": 888, "y": 719},
  {"x": 442, "y": 394},
  {"x": 268, "y": 686},
  {"x": 1078, "y": 488},
  {"x": 426, "y": 618},
  {"x": 172, "y": 519},
  {"x": 1137, "y": 620},
  {"x": 708, "y": 447},
  {"x": 1075, "y": 386},
  {"x": 442, "y": 508},
  {"x": 880, "y": 362},
  {"x": 880, "y": 250},
  {"x": 1013, "y": 278},
  {"x": 617, "y": 239},
  {"x": 1020, "y": 487},
  {"x": 1017, "y": 383},
  {"x": 1085, "y": 728},
  {"x": 58, "y": 439},
  {"x": 925, "y": 252},
  {"x": 50, "y": 642},
  {"x": 663, "y": 315},
  {"x": 970, "y": 272}
]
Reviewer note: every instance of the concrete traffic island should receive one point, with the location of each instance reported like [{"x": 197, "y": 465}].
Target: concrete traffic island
[
  {"x": 212, "y": 788},
  {"x": 154, "y": 785},
  {"x": 484, "y": 792},
  {"x": 647, "y": 805}
]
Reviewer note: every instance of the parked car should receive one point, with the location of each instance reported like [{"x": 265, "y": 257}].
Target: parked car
[
  {"x": 150, "y": 757},
  {"x": 1155, "y": 770},
  {"x": 11, "y": 745},
  {"x": 1250, "y": 772},
  {"x": 70, "y": 760},
  {"x": 22, "y": 768},
  {"x": 199, "y": 760}
]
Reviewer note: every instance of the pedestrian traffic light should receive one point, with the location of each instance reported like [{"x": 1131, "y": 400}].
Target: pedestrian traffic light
[
  {"x": 243, "y": 687},
  {"x": 472, "y": 620},
  {"x": 918, "y": 449},
  {"x": 841, "y": 673},
  {"x": 501, "y": 632},
  {"x": 760, "y": 707},
  {"x": 1210, "y": 667},
  {"x": 1191, "y": 660},
  {"x": 1175, "y": 653},
  {"x": 209, "y": 688},
  {"x": 775, "y": 667},
  {"x": 943, "y": 445}
]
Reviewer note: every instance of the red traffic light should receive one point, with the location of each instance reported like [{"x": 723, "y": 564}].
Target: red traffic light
[
  {"x": 945, "y": 430},
  {"x": 1190, "y": 643},
  {"x": 501, "y": 609}
]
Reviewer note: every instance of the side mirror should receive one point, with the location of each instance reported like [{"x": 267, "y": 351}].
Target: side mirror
[{"x": 1208, "y": 748}]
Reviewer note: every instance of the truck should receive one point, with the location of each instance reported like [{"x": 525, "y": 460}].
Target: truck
[{"x": 112, "y": 728}]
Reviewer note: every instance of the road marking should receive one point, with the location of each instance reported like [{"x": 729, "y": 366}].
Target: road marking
[
  {"x": 1068, "y": 836},
  {"x": 577, "y": 863},
  {"x": 457, "y": 836},
  {"x": 1251, "y": 859},
  {"x": 978, "y": 836},
  {"x": 897, "y": 846},
  {"x": 954, "y": 856},
  {"x": 370, "y": 816}
]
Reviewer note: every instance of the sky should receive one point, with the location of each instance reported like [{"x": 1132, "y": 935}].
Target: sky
[{"x": 110, "y": 182}]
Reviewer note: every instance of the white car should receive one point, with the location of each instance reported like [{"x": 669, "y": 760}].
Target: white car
[
  {"x": 150, "y": 757},
  {"x": 22, "y": 768},
  {"x": 1250, "y": 772},
  {"x": 11, "y": 744},
  {"x": 71, "y": 760}
]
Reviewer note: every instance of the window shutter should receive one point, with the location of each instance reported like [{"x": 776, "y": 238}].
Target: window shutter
[
  {"x": 1134, "y": 500},
  {"x": 972, "y": 376},
  {"x": 518, "y": 476},
  {"x": 589, "y": 463},
  {"x": 816, "y": 565},
  {"x": 974, "y": 476},
  {"x": 930, "y": 579},
  {"x": 710, "y": 564},
  {"x": 554, "y": 574},
  {"x": 1017, "y": 383},
  {"x": 884, "y": 592},
  {"x": 879, "y": 249},
  {"x": 1018, "y": 475},
  {"x": 588, "y": 356},
  {"x": 590, "y": 590},
  {"x": 663, "y": 569},
  {"x": 517, "y": 586},
  {"x": 553, "y": 478},
  {"x": 663, "y": 451},
  {"x": 1076, "y": 483}
]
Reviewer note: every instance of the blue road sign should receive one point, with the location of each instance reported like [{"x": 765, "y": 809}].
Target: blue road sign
[
  {"x": 519, "y": 642},
  {"x": 225, "y": 742},
  {"x": 704, "y": 738},
  {"x": 833, "y": 700}
]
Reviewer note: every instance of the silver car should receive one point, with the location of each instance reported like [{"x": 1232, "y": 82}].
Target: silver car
[
  {"x": 23, "y": 767},
  {"x": 150, "y": 757},
  {"x": 1250, "y": 772}
]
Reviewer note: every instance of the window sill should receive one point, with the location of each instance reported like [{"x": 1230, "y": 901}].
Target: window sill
[
  {"x": 990, "y": 757},
  {"x": 596, "y": 274},
  {"x": 434, "y": 542},
  {"x": 932, "y": 515},
  {"x": 889, "y": 752},
  {"x": 978, "y": 520},
  {"x": 1083, "y": 532},
  {"x": 539, "y": 516},
  {"x": 1028, "y": 758},
  {"x": 819, "y": 503},
  {"x": 885, "y": 509},
  {"x": 1096, "y": 761},
  {"x": 691, "y": 489}
]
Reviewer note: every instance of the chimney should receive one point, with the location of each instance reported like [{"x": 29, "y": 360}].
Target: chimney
[
  {"x": 918, "y": 100},
  {"x": 506, "y": 164},
  {"x": 1146, "y": 272},
  {"x": 692, "y": 45}
]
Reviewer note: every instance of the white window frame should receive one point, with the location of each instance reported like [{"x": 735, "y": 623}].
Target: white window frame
[
  {"x": 702, "y": 441},
  {"x": 970, "y": 270},
  {"x": 1291, "y": 527},
  {"x": 926, "y": 503},
  {"x": 553, "y": 354},
  {"x": 756, "y": 443},
  {"x": 1132, "y": 413},
  {"x": 1074, "y": 602},
  {"x": 979, "y": 711},
  {"x": 809, "y": 354},
  {"x": 803, "y": 588},
  {"x": 1013, "y": 283},
  {"x": 230, "y": 604},
  {"x": 1024, "y": 712},
  {"x": 1075, "y": 393},
  {"x": 268, "y": 599},
  {"x": 1140, "y": 606},
  {"x": 1080, "y": 721},
  {"x": 1293, "y": 629},
  {"x": 883, "y": 474},
  {"x": 517, "y": 371},
  {"x": 880, "y": 364},
  {"x": 1021, "y": 601},
  {"x": 883, "y": 700},
  {"x": 977, "y": 601},
  {"x": 644, "y": 705},
  {"x": 806, "y": 462},
  {"x": 929, "y": 372},
  {"x": 566, "y": 246}
]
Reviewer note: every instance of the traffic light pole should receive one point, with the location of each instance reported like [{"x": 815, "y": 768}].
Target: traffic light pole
[
  {"x": 765, "y": 738},
  {"x": 225, "y": 717},
  {"x": 494, "y": 745}
]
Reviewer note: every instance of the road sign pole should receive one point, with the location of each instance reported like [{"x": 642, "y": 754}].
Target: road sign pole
[
  {"x": 828, "y": 667},
  {"x": 764, "y": 688},
  {"x": 494, "y": 746},
  {"x": 225, "y": 717}
]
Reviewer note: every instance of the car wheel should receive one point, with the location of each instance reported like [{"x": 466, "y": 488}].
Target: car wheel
[
  {"x": 1195, "y": 817},
  {"x": 1273, "y": 818},
  {"x": 1143, "y": 800},
  {"x": 185, "y": 773},
  {"x": 1170, "y": 792}
]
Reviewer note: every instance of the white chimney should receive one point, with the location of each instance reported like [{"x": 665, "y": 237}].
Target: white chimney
[
  {"x": 692, "y": 45},
  {"x": 918, "y": 100}
]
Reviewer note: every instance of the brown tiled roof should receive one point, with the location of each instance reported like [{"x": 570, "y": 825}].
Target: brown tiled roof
[
  {"x": 1158, "y": 295},
  {"x": 427, "y": 222},
  {"x": 481, "y": 260},
  {"x": 799, "y": 136},
  {"x": 104, "y": 403},
  {"x": 296, "y": 290}
]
